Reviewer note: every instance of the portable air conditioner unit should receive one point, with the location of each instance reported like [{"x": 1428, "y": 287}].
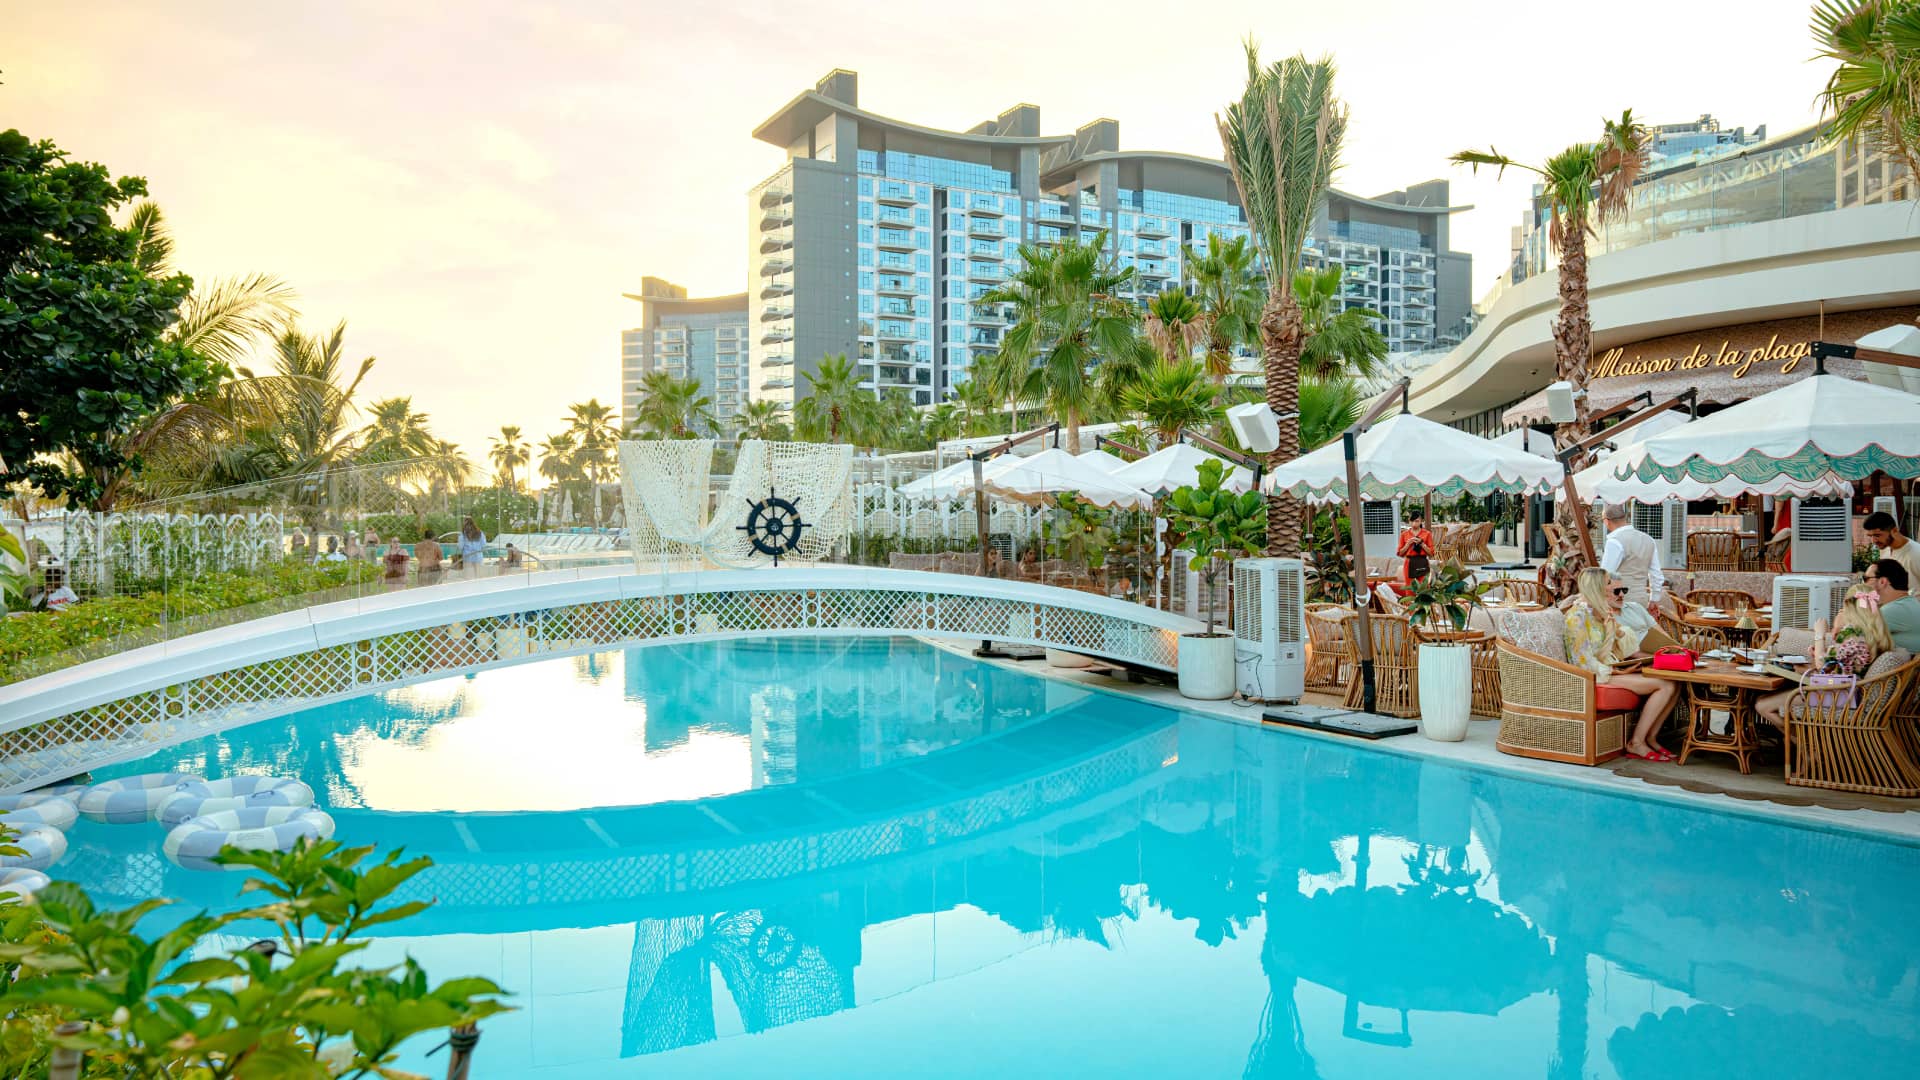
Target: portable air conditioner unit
[
  {"x": 1187, "y": 590},
  {"x": 1800, "y": 600},
  {"x": 1822, "y": 536},
  {"x": 1270, "y": 628},
  {"x": 1380, "y": 522},
  {"x": 1666, "y": 522},
  {"x": 1887, "y": 504}
]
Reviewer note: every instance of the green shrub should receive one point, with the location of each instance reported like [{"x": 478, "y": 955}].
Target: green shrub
[{"x": 26, "y": 640}]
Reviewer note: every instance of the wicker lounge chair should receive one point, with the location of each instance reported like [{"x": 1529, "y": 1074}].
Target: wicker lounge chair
[
  {"x": 1330, "y": 666},
  {"x": 1549, "y": 708},
  {"x": 1714, "y": 550},
  {"x": 1860, "y": 746}
]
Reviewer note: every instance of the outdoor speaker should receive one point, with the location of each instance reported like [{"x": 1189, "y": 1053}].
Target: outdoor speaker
[
  {"x": 1560, "y": 402},
  {"x": 1255, "y": 426}
]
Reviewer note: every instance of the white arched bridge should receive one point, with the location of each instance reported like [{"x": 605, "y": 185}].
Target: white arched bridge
[{"x": 128, "y": 705}]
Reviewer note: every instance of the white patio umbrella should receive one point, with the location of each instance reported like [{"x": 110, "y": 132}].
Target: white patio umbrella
[
  {"x": 1664, "y": 420},
  {"x": 1178, "y": 466},
  {"x": 1823, "y": 424},
  {"x": 1406, "y": 457},
  {"x": 1598, "y": 483},
  {"x": 1105, "y": 462},
  {"x": 1039, "y": 478},
  {"x": 940, "y": 485},
  {"x": 1533, "y": 442}
]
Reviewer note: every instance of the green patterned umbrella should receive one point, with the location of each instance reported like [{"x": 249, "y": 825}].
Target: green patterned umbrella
[{"x": 1823, "y": 425}]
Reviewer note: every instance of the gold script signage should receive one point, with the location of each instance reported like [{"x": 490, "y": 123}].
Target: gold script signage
[{"x": 1781, "y": 356}]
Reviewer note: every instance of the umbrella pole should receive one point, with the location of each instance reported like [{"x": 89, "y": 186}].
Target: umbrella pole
[{"x": 1356, "y": 527}]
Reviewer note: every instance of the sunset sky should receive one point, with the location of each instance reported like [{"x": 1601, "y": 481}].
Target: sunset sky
[{"x": 472, "y": 186}]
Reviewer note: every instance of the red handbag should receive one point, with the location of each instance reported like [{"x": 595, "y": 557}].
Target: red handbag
[{"x": 1673, "y": 658}]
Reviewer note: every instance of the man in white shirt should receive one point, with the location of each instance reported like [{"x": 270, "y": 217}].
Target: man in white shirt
[{"x": 1633, "y": 557}]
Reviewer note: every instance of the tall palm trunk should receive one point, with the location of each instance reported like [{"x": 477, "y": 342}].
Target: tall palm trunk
[
  {"x": 1073, "y": 431},
  {"x": 1572, "y": 353},
  {"x": 1281, "y": 339}
]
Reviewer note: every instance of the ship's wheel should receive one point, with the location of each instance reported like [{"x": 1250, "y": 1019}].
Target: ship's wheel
[{"x": 773, "y": 526}]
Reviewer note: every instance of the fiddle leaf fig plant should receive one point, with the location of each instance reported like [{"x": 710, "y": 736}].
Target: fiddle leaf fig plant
[
  {"x": 1445, "y": 596},
  {"x": 1217, "y": 525}
]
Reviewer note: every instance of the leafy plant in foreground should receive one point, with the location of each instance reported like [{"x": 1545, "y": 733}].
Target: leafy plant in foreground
[
  {"x": 1216, "y": 524},
  {"x": 294, "y": 1008}
]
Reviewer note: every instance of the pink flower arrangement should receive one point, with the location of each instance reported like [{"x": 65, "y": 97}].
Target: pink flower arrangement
[{"x": 1853, "y": 654}]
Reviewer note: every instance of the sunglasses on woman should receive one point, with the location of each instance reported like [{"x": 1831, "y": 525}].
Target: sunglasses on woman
[{"x": 1618, "y": 591}]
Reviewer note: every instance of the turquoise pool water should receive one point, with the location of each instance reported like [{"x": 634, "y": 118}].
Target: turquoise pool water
[{"x": 839, "y": 858}]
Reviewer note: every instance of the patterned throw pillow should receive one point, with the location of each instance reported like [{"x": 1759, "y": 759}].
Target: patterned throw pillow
[
  {"x": 1539, "y": 632},
  {"x": 1792, "y": 642},
  {"x": 1872, "y": 696}
]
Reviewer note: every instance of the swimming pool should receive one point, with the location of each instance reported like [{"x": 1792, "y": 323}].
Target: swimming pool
[{"x": 827, "y": 858}]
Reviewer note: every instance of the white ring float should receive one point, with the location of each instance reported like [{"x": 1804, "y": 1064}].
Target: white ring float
[
  {"x": 130, "y": 798},
  {"x": 69, "y": 792},
  {"x": 236, "y": 793},
  {"x": 55, "y": 813},
  {"x": 43, "y": 845},
  {"x": 268, "y": 828},
  {"x": 22, "y": 882}
]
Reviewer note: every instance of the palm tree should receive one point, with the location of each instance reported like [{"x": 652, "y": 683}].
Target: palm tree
[
  {"x": 314, "y": 435},
  {"x": 942, "y": 423},
  {"x": 557, "y": 460},
  {"x": 764, "y": 420},
  {"x": 896, "y": 423},
  {"x": 1282, "y": 141},
  {"x": 672, "y": 407},
  {"x": 976, "y": 402},
  {"x": 395, "y": 432},
  {"x": 837, "y": 408},
  {"x": 1328, "y": 406},
  {"x": 1174, "y": 325},
  {"x": 1584, "y": 184},
  {"x": 1175, "y": 395},
  {"x": 1338, "y": 342},
  {"x": 1873, "y": 96},
  {"x": 592, "y": 425},
  {"x": 1230, "y": 290},
  {"x": 1074, "y": 342},
  {"x": 509, "y": 452}
]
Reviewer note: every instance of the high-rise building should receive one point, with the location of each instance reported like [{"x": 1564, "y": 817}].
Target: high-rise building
[
  {"x": 703, "y": 338},
  {"x": 878, "y": 238},
  {"x": 1697, "y": 141}
]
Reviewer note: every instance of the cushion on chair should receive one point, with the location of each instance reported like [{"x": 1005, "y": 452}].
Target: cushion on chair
[
  {"x": 1540, "y": 632},
  {"x": 1872, "y": 696},
  {"x": 1609, "y": 699},
  {"x": 1792, "y": 642}
]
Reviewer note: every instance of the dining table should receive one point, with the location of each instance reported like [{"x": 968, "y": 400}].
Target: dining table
[
  {"x": 1722, "y": 686},
  {"x": 1729, "y": 623}
]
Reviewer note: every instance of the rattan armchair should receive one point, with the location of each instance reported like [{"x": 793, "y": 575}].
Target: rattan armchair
[
  {"x": 1700, "y": 639},
  {"x": 1329, "y": 666},
  {"x": 1522, "y": 591},
  {"x": 1774, "y": 555},
  {"x": 1862, "y": 747},
  {"x": 1396, "y": 687},
  {"x": 1724, "y": 599},
  {"x": 1474, "y": 549},
  {"x": 1714, "y": 550},
  {"x": 1549, "y": 708}
]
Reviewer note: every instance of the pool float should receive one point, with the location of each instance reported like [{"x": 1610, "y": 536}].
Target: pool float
[
  {"x": 68, "y": 792},
  {"x": 237, "y": 793},
  {"x": 22, "y": 882},
  {"x": 57, "y": 813},
  {"x": 195, "y": 842},
  {"x": 42, "y": 844},
  {"x": 130, "y": 798}
]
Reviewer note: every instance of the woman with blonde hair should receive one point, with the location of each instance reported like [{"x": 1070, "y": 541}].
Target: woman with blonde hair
[
  {"x": 1860, "y": 635},
  {"x": 1598, "y": 640}
]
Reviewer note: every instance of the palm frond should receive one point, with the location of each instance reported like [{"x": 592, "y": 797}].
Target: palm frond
[
  {"x": 153, "y": 244},
  {"x": 223, "y": 321}
]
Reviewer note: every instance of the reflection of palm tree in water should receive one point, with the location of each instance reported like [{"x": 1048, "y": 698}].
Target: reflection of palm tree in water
[{"x": 1280, "y": 1050}]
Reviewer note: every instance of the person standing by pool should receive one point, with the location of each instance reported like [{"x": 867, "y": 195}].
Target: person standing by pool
[
  {"x": 473, "y": 547},
  {"x": 427, "y": 554},
  {"x": 1634, "y": 557},
  {"x": 1598, "y": 640},
  {"x": 396, "y": 563},
  {"x": 1894, "y": 544},
  {"x": 1416, "y": 547},
  {"x": 1897, "y": 606}
]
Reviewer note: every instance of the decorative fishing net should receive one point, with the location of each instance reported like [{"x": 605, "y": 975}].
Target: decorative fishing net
[{"x": 670, "y": 519}]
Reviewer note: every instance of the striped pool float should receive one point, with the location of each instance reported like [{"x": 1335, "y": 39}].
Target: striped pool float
[
  {"x": 22, "y": 882},
  {"x": 194, "y": 843},
  {"x": 57, "y": 813},
  {"x": 234, "y": 793},
  {"x": 130, "y": 798},
  {"x": 43, "y": 845}
]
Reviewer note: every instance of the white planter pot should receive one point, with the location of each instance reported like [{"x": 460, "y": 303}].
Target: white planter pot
[
  {"x": 1446, "y": 691},
  {"x": 1206, "y": 666},
  {"x": 1056, "y": 658}
]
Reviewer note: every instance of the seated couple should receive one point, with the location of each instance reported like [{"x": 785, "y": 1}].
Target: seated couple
[
  {"x": 1604, "y": 633},
  {"x": 1877, "y": 617}
]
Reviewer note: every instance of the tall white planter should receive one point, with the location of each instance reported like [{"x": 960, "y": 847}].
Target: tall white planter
[
  {"x": 1206, "y": 666},
  {"x": 1446, "y": 691}
]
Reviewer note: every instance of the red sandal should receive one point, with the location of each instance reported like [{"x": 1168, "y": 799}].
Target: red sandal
[{"x": 1659, "y": 754}]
